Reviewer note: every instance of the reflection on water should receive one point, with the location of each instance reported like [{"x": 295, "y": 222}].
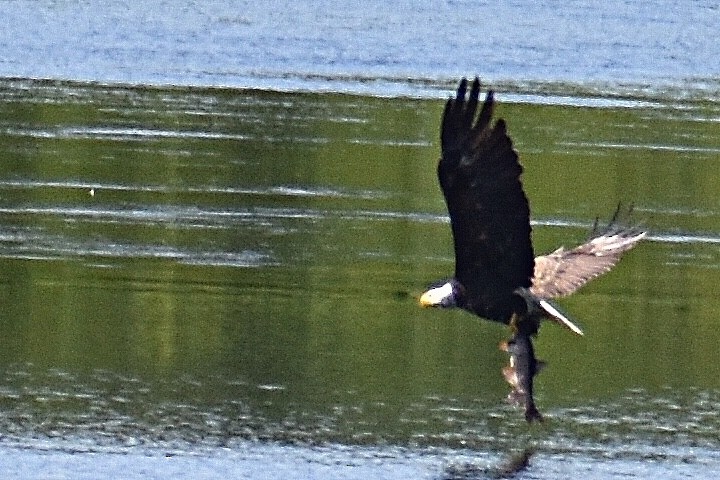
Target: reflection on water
[
  {"x": 103, "y": 408},
  {"x": 247, "y": 263}
]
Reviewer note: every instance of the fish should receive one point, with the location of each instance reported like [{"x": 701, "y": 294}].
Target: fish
[{"x": 520, "y": 374}]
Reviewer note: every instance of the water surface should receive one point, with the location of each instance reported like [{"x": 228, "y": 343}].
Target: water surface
[
  {"x": 377, "y": 47},
  {"x": 201, "y": 278},
  {"x": 205, "y": 277}
]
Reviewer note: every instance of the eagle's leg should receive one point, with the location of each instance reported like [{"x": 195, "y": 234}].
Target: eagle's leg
[
  {"x": 523, "y": 324},
  {"x": 514, "y": 322}
]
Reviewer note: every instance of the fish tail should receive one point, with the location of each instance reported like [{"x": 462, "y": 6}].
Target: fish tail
[{"x": 532, "y": 414}]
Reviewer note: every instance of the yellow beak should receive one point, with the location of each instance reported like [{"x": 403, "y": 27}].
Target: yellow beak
[{"x": 426, "y": 300}]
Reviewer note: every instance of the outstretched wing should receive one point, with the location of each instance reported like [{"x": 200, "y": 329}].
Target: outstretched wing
[
  {"x": 479, "y": 173},
  {"x": 562, "y": 272}
]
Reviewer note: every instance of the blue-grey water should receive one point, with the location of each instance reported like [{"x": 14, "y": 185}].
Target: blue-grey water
[
  {"x": 209, "y": 257},
  {"x": 377, "y": 47}
]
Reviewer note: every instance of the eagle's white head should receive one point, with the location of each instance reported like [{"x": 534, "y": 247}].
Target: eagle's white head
[{"x": 444, "y": 296}]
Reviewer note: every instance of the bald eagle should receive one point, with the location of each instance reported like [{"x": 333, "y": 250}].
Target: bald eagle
[{"x": 497, "y": 276}]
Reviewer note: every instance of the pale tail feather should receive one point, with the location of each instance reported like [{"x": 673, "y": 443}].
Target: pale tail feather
[{"x": 559, "y": 317}]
